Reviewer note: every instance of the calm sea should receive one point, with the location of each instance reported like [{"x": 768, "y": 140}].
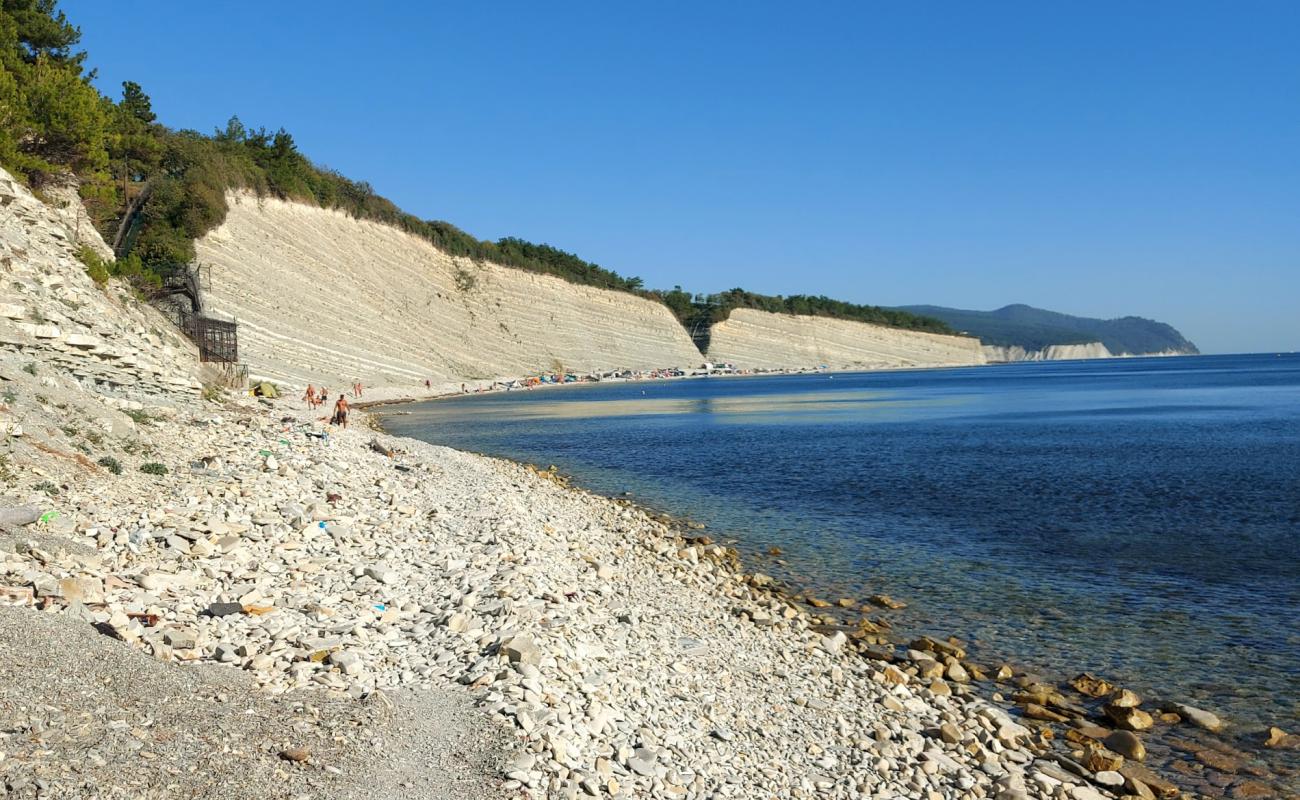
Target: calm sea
[{"x": 1136, "y": 518}]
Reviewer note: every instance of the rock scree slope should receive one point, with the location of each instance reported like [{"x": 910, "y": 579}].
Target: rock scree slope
[
  {"x": 759, "y": 339},
  {"x": 320, "y": 296}
]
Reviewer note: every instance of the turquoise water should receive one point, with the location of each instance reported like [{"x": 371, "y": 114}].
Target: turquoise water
[{"x": 1137, "y": 518}]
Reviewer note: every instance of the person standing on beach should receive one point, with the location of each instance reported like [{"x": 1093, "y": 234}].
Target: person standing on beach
[
  {"x": 341, "y": 411},
  {"x": 310, "y": 396}
]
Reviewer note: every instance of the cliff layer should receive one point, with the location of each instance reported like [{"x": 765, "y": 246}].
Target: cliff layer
[
  {"x": 321, "y": 296},
  {"x": 758, "y": 339}
]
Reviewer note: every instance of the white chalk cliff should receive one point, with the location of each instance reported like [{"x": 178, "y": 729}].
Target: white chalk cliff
[
  {"x": 51, "y": 312},
  {"x": 321, "y": 296},
  {"x": 1055, "y": 352},
  {"x": 759, "y": 339}
]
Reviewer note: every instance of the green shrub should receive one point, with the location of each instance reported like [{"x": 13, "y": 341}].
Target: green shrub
[
  {"x": 48, "y": 487},
  {"x": 111, "y": 464},
  {"x": 96, "y": 267},
  {"x": 153, "y": 468},
  {"x": 138, "y": 416}
]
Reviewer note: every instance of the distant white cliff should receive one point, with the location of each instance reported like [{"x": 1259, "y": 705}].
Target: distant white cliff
[{"x": 1054, "y": 352}]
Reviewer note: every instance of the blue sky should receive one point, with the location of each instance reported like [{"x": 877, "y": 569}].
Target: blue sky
[{"x": 1095, "y": 158}]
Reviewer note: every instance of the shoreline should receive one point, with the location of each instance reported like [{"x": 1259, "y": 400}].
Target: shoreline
[
  {"x": 621, "y": 655},
  {"x": 1055, "y": 695},
  {"x": 624, "y": 659}
]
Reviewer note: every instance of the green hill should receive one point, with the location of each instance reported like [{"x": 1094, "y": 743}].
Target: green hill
[{"x": 1036, "y": 328}]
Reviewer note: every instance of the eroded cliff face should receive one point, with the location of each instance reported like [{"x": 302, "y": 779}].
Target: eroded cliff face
[
  {"x": 762, "y": 340},
  {"x": 57, "y": 325},
  {"x": 1055, "y": 352},
  {"x": 321, "y": 296}
]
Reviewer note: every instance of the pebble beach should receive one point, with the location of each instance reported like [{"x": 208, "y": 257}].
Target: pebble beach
[{"x": 604, "y": 651}]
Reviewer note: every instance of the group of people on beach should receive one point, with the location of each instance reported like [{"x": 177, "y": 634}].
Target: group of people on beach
[{"x": 315, "y": 398}]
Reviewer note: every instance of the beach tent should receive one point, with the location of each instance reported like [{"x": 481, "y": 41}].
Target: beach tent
[{"x": 265, "y": 389}]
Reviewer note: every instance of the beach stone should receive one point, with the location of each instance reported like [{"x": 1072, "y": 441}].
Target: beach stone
[
  {"x": 1199, "y": 717},
  {"x": 1130, "y": 719},
  {"x": 1216, "y": 760},
  {"x": 1250, "y": 790},
  {"x": 642, "y": 761},
  {"x": 82, "y": 590},
  {"x": 296, "y": 754},
  {"x": 1126, "y": 744},
  {"x": 1136, "y": 772},
  {"x": 1035, "y": 711},
  {"x": 224, "y": 609},
  {"x": 1100, "y": 759},
  {"x": 349, "y": 663},
  {"x": 949, "y": 733},
  {"x": 522, "y": 650},
  {"x": 1091, "y": 686},
  {"x": 929, "y": 668},
  {"x": 1109, "y": 779},
  {"x": 382, "y": 573},
  {"x": 956, "y": 672},
  {"x": 1124, "y": 698},
  {"x": 834, "y": 644},
  {"x": 1276, "y": 737},
  {"x": 885, "y": 601}
]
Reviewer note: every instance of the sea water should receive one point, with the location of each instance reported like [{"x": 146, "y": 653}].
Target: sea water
[{"x": 1136, "y": 518}]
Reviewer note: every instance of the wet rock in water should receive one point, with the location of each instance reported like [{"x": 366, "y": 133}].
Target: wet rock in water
[
  {"x": 1277, "y": 737},
  {"x": 1084, "y": 683},
  {"x": 1138, "y": 789},
  {"x": 816, "y": 602},
  {"x": 1127, "y": 744},
  {"x": 1249, "y": 790},
  {"x": 1130, "y": 719},
  {"x": 1004, "y": 673},
  {"x": 949, "y": 649},
  {"x": 1136, "y": 773},
  {"x": 885, "y": 601},
  {"x": 1198, "y": 717},
  {"x": 1035, "y": 711},
  {"x": 1220, "y": 761},
  {"x": 1124, "y": 698}
]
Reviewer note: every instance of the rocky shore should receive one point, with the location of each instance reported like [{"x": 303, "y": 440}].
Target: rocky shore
[{"x": 608, "y": 653}]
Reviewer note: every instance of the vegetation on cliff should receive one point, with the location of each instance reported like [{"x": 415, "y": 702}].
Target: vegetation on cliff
[{"x": 153, "y": 191}]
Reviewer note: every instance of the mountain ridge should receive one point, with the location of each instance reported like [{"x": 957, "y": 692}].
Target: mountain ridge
[{"x": 1021, "y": 325}]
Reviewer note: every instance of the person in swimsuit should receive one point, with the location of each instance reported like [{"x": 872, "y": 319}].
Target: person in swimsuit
[
  {"x": 341, "y": 411},
  {"x": 310, "y": 396}
]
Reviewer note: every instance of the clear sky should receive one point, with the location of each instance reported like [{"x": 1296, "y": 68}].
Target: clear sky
[{"x": 1095, "y": 158}]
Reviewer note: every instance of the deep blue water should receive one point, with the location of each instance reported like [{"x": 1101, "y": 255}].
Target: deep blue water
[{"x": 1136, "y": 518}]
